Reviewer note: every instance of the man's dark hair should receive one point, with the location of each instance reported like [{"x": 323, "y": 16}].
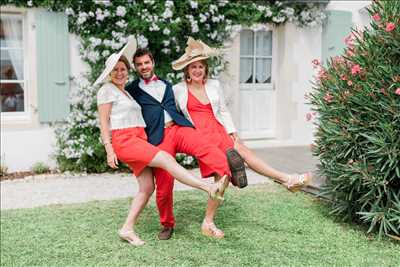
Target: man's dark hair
[{"x": 142, "y": 52}]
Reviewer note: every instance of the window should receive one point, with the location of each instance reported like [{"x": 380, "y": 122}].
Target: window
[
  {"x": 255, "y": 57},
  {"x": 12, "y": 76}
]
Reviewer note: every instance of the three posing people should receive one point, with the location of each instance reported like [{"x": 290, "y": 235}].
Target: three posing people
[{"x": 148, "y": 121}]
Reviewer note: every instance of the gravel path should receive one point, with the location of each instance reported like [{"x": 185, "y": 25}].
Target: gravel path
[{"x": 46, "y": 190}]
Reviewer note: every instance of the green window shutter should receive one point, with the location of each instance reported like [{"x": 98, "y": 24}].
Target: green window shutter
[
  {"x": 53, "y": 68},
  {"x": 334, "y": 30}
]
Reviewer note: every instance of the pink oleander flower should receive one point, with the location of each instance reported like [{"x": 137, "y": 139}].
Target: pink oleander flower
[
  {"x": 390, "y": 27},
  {"x": 343, "y": 77},
  {"x": 349, "y": 83},
  {"x": 397, "y": 92},
  {"x": 308, "y": 116},
  {"x": 349, "y": 40},
  {"x": 376, "y": 17},
  {"x": 316, "y": 62},
  {"x": 322, "y": 74},
  {"x": 328, "y": 98},
  {"x": 349, "y": 53},
  {"x": 355, "y": 69}
]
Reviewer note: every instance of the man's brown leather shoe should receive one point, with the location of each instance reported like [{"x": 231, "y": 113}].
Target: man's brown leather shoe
[{"x": 165, "y": 233}]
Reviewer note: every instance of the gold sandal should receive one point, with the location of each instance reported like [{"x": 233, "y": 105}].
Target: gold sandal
[
  {"x": 219, "y": 187},
  {"x": 297, "y": 181},
  {"x": 211, "y": 230},
  {"x": 127, "y": 236}
]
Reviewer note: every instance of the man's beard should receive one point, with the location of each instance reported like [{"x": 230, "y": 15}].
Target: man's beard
[{"x": 150, "y": 75}]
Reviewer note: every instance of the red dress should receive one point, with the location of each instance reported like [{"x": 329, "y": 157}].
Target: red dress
[{"x": 208, "y": 126}]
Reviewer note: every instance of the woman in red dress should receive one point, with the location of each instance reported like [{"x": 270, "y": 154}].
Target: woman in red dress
[
  {"x": 201, "y": 100},
  {"x": 124, "y": 138}
]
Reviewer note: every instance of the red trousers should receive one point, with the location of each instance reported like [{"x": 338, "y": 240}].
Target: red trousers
[{"x": 184, "y": 140}]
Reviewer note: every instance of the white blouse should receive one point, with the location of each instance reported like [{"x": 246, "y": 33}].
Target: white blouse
[{"x": 125, "y": 111}]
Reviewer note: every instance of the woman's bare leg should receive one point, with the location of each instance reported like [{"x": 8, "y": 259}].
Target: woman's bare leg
[
  {"x": 259, "y": 166},
  {"x": 165, "y": 161},
  {"x": 208, "y": 226},
  {"x": 146, "y": 189}
]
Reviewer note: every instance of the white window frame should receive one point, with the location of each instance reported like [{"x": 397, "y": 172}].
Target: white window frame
[{"x": 20, "y": 116}]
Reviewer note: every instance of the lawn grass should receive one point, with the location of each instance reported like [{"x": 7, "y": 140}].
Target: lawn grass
[{"x": 264, "y": 226}]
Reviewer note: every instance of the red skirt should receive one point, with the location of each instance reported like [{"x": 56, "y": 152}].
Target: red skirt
[
  {"x": 208, "y": 126},
  {"x": 131, "y": 147}
]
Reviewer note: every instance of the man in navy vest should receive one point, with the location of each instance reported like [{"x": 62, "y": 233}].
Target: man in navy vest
[{"x": 170, "y": 131}]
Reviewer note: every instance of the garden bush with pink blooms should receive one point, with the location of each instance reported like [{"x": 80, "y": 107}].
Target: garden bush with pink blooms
[{"x": 356, "y": 100}]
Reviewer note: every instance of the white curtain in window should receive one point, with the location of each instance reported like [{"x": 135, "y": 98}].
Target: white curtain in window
[
  {"x": 12, "y": 27},
  {"x": 246, "y": 51},
  {"x": 263, "y": 70}
]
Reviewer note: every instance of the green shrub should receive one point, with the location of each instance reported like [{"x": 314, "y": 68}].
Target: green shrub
[
  {"x": 357, "y": 102},
  {"x": 40, "y": 167}
]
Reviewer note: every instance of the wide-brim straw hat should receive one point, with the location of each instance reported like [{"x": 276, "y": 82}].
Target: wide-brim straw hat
[
  {"x": 196, "y": 50},
  {"x": 128, "y": 50}
]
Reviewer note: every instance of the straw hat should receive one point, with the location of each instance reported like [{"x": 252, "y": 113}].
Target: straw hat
[
  {"x": 196, "y": 50},
  {"x": 128, "y": 50}
]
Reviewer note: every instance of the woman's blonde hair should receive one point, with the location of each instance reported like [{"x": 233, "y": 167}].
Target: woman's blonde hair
[{"x": 124, "y": 60}]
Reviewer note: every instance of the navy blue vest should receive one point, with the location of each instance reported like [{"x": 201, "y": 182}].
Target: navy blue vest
[{"x": 153, "y": 111}]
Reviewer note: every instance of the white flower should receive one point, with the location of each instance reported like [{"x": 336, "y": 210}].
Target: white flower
[
  {"x": 82, "y": 18},
  {"x": 203, "y": 18},
  {"x": 213, "y": 8},
  {"x": 288, "y": 11},
  {"x": 69, "y": 11},
  {"x": 195, "y": 28},
  {"x": 121, "y": 24},
  {"x": 222, "y": 2},
  {"x": 154, "y": 28},
  {"x": 29, "y": 3},
  {"x": 149, "y": 2},
  {"x": 213, "y": 35},
  {"x": 166, "y": 42},
  {"x": 95, "y": 41},
  {"x": 177, "y": 48},
  {"x": 193, "y": 4},
  {"x": 121, "y": 11},
  {"x": 169, "y": 4},
  {"x": 105, "y": 53},
  {"x": 99, "y": 14},
  {"x": 261, "y": 8},
  {"x": 142, "y": 41},
  {"x": 116, "y": 45},
  {"x": 107, "y": 42},
  {"x": 167, "y": 13},
  {"x": 278, "y": 19},
  {"x": 166, "y": 31},
  {"x": 104, "y": 2},
  {"x": 166, "y": 51},
  {"x": 312, "y": 24},
  {"x": 93, "y": 56}
]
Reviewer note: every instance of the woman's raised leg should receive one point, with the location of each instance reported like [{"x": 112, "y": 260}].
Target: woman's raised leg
[
  {"x": 259, "y": 166},
  {"x": 165, "y": 161},
  {"x": 146, "y": 188}
]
